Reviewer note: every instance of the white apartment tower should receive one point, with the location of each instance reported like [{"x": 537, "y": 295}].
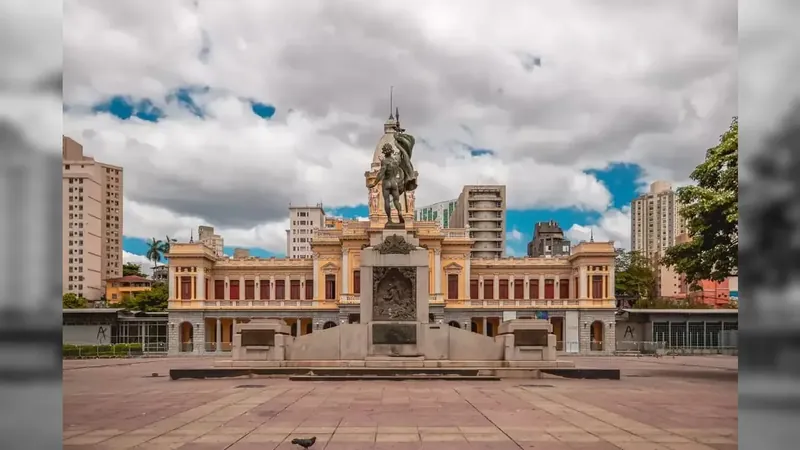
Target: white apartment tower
[
  {"x": 482, "y": 210},
  {"x": 303, "y": 220},
  {"x": 655, "y": 225},
  {"x": 440, "y": 213},
  {"x": 91, "y": 222},
  {"x": 206, "y": 236}
]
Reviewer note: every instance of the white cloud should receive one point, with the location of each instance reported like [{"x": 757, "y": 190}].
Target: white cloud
[
  {"x": 514, "y": 235},
  {"x": 653, "y": 86},
  {"x": 145, "y": 264},
  {"x": 614, "y": 225}
]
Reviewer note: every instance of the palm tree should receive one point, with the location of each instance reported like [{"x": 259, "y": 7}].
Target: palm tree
[
  {"x": 155, "y": 252},
  {"x": 165, "y": 246}
]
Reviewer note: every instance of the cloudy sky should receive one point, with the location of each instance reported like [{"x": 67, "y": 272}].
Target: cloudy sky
[{"x": 225, "y": 115}]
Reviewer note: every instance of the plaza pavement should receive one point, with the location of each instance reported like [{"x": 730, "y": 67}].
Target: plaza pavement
[{"x": 682, "y": 403}]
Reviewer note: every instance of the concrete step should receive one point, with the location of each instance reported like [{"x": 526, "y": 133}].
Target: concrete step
[{"x": 391, "y": 378}]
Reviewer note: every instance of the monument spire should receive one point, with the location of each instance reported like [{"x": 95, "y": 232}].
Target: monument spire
[{"x": 391, "y": 102}]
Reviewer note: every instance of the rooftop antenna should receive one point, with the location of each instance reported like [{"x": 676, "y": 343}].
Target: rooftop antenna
[
  {"x": 191, "y": 236},
  {"x": 591, "y": 234},
  {"x": 391, "y": 101}
]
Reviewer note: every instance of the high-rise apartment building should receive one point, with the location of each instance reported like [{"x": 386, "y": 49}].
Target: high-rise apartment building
[
  {"x": 482, "y": 209},
  {"x": 548, "y": 241},
  {"x": 206, "y": 236},
  {"x": 303, "y": 220},
  {"x": 440, "y": 213},
  {"x": 655, "y": 225},
  {"x": 92, "y": 222}
]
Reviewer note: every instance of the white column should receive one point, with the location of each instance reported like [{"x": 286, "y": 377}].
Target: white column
[
  {"x": 241, "y": 288},
  {"x": 582, "y": 282},
  {"x": 257, "y": 288},
  {"x": 557, "y": 288},
  {"x": 172, "y": 292},
  {"x": 572, "y": 287},
  {"x": 526, "y": 293},
  {"x": 612, "y": 290},
  {"x": 302, "y": 287},
  {"x": 227, "y": 288},
  {"x": 200, "y": 281},
  {"x": 511, "y": 287},
  {"x": 437, "y": 271},
  {"x": 272, "y": 287},
  {"x": 484, "y": 326},
  {"x": 466, "y": 277},
  {"x": 345, "y": 273},
  {"x": 496, "y": 294},
  {"x": 480, "y": 287},
  {"x": 316, "y": 275},
  {"x": 219, "y": 334},
  {"x": 541, "y": 287}
]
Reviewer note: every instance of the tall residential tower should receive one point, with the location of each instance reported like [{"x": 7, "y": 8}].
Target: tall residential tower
[
  {"x": 655, "y": 225},
  {"x": 92, "y": 222},
  {"x": 303, "y": 220},
  {"x": 482, "y": 209}
]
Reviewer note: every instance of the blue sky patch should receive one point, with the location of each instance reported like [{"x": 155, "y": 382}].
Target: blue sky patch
[
  {"x": 263, "y": 110},
  {"x": 622, "y": 180},
  {"x": 125, "y": 107}
]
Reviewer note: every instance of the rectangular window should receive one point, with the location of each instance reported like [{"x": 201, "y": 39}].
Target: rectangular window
[
  {"x": 533, "y": 289},
  {"x": 219, "y": 289},
  {"x": 330, "y": 287},
  {"x": 549, "y": 289},
  {"x": 356, "y": 282},
  {"x": 186, "y": 288},
  {"x": 503, "y": 289},
  {"x": 452, "y": 286},
  {"x": 563, "y": 288},
  {"x": 473, "y": 289},
  {"x": 309, "y": 290},
  {"x": 234, "y": 289},
  {"x": 280, "y": 290},
  {"x": 488, "y": 289},
  {"x": 294, "y": 289},
  {"x": 250, "y": 289},
  {"x": 597, "y": 286},
  {"x": 264, "y": 289},
  {"x": 519, "y": 289}
]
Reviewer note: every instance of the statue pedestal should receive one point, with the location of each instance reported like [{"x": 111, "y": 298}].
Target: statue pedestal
[
  {"x": 527, "y": 340},
  {"x": 261, "y": 340},
  {"x": 394, "y": 293}
]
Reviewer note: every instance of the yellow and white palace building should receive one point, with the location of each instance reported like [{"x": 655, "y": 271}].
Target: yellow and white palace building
[{"x": 208, "y": 293}]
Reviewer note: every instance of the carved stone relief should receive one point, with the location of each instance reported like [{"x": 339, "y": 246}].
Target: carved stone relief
[
  {"x": 394, "y": 293},
  {"x": 395, "y": 244}
]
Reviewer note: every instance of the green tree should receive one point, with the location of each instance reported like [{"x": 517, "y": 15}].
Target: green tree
[
  {"x": 129, "y": 269},
  {"x": 156, "y": 299},
  {"x": 711, "y": 209},
  {"x": 634, "y": 277},
  {"x": 155, "y": 251},
  {"x": 73, "y": 301}
]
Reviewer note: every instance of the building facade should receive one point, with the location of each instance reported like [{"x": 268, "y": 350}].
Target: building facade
[
  {"x": 209, "y": 294},
  {"x": 656, "y": 225},
  {"x": 92, "y": 222},
  {"x": 206, "y": 236},
  {"x": 440, "y": 213},
  {"x": 482, "y": 210},
  {"x": 303, "y": 221},
  {"x": 118, "y": 289},
  {"x": 548, "y": 241}
]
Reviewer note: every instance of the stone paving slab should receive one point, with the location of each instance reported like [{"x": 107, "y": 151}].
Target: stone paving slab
[{"x": 123, "y": 407}]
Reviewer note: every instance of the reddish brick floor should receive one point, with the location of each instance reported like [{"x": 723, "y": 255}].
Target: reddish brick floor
[{"x": 687, "y": 403}]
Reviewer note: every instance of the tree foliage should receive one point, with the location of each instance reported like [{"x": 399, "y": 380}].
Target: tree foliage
[
  {"x": 155, "y": 299},
  {"x": 73, "y": 301},
  {"x": 634, "y": 278},
  {"x": 129, "y": 269},
  {"x": 711, "y": 209}
]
